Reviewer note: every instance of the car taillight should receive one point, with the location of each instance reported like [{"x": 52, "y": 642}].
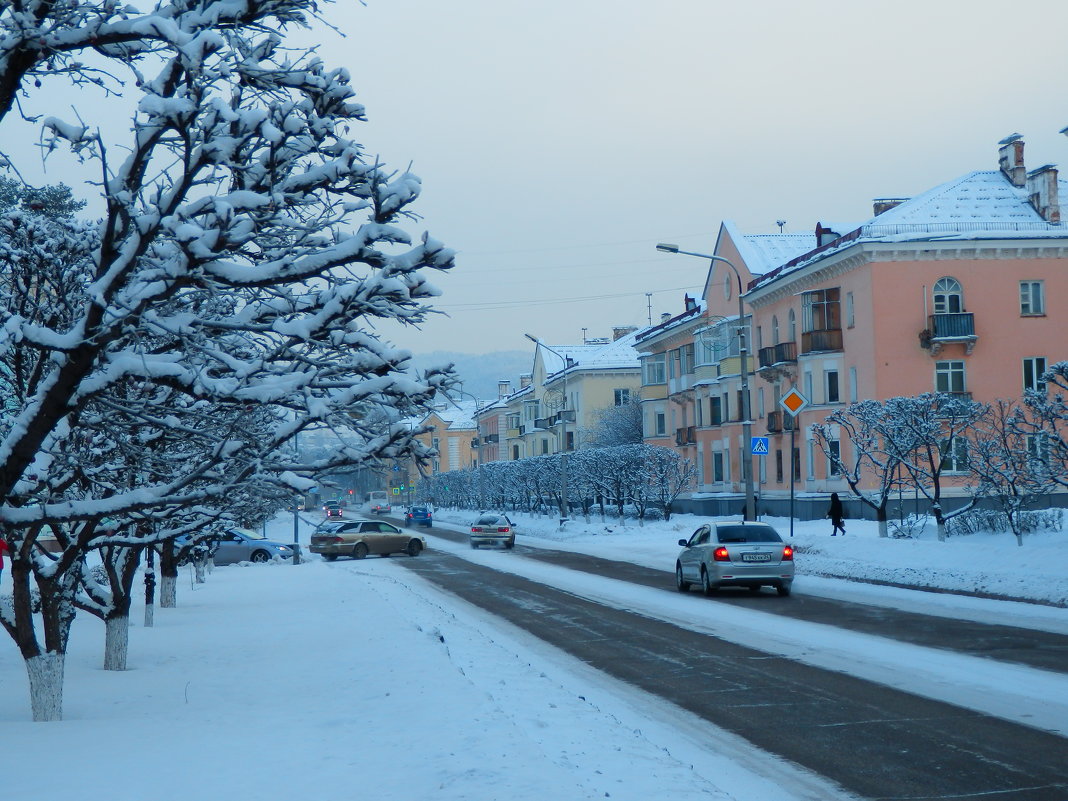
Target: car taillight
[
  {"x": 503, "y": 529},
  {"x": 476, "y": 530},
  {"x": 787, "y": 553},
  {"x": 721, "y": 554}
]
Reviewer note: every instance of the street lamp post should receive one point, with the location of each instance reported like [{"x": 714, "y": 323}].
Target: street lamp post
[
  {"x": 565, "y": 510},
  {"x": 747, "y": 424}
]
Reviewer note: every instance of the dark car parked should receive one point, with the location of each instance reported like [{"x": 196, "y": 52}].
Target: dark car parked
[{"x": 419, "y": 515}]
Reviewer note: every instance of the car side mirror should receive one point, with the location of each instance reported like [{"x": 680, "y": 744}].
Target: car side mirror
[{"x": 682, "y": 543}]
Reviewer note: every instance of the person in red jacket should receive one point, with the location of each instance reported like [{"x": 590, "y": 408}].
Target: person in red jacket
[{"x": 3, "y": 550}]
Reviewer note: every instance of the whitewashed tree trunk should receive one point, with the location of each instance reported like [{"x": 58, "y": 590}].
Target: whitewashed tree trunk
[
  {"x": 941, "y": 531},
  {"x": 150, "y": 615},
  {"x": 46, "y": 686},
  {"x": 116, "y": 642},
  {"x": 882, "y": 528},
  {"x": 168, "y": 592},
  {"x": 199, "y": 570}
]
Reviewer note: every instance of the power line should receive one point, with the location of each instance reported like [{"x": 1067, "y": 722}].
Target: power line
[{"x": 503, "y": 304}]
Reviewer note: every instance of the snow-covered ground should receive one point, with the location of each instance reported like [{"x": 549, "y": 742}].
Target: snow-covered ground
[{"x": 361, "y": 680}]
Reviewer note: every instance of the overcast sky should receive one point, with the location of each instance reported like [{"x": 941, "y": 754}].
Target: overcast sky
[{"x": 559, "y": 141}]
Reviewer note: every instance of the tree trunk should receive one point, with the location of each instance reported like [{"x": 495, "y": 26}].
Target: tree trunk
[
  {"x": 200, "y": 570},
  {"x": 168, "y": 592},
  {"x": 116, "y": 641},
  {"x": 46, "y": 686}
]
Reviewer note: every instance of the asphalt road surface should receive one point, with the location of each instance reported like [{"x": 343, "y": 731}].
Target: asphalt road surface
[{"x": 874, "y": 741}]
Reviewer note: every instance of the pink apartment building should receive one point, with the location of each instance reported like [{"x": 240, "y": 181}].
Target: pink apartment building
[{"x": 959, "y": 289}]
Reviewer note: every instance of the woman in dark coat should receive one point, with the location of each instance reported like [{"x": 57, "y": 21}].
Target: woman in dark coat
[{"x": 836, "y": 514}]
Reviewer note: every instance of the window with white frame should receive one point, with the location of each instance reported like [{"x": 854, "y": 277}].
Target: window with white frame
[
  {"x": 949, "y": 376},
  {"x": 1037, "y": 449},
  {"x": 808, "y": 387},
  {"x": 948, "y": 296},
  {"x": 654, "y": 369},
  {"x": 850, "y": 319},
  {"x": 717, "y": 466},
  {"x": 1033, "y": 368},
  {"x": 853, "y": 391},
  {"x": 830, "y": 386},
  {"x": 834, "y": 454},
  {"x": 660, "y": 424},
  {"x": 686, "y": 360},
  {"x": 774, "y": 329},
  {"x": 821, "y": 310},
  {"x": 706, "y": 348},
  {"x": 791, "y": 325},
  {"x": 1032, "y": 298},
  {"x": 621, "y": 396},
  {"x": 955, "y": 455}
]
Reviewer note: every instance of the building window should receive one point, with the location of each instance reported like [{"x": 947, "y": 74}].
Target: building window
[
  {"x": 797, "y": 462},
  {"x": 955, "y": 455},
  {"x": 759, "y": 337},
  {"x": 673, "y": 364},
  {"x": 850, "y": 319},
  {"x": 1033, "y": 368},
  {"x": 948, "y": 296},
  {"x": 687, "y": 356},
  {"x": 808, "y": 387},
  {"x": 778, "y": 466},
  {"x": 760, "y": 402},
  {"x": 621, "y": 396},
  {"x": 513, "y": 420},
  {"x": 792, "y": 326},
  {"x": 717, "y": 466},
  {"x": 544, "y": 446},
  {"x": 949, "y": 376},
  {"x": 774, "y": 329},
  {"x": 654, "y": 370},
  {"x": 830, "y": 386},
  {"x": 834, "y": 453},
  {"x": 515, "y": 453},
  {"x": 821, "y": 310},
  {"x": 715, "y": 412},
  {"x": 853, "y": 391},
  {"x": 1032, "y": 298},
  {"x": 661, "y": 424}
]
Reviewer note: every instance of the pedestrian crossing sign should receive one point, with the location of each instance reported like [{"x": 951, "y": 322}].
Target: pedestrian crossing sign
[{"x": 759, "y": 446}]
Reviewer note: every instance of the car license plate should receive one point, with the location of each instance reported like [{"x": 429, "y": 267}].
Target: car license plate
[{"x": 756, "y": 557}]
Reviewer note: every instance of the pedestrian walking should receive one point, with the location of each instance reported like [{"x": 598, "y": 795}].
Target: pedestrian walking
[
  {"x": 3, "y": 550},
  {"x": 836, "y": 514}
]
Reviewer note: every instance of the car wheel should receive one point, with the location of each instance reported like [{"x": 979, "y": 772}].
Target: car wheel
[
  {"x": 330, "y": 557},
  {"x": 360, "y": 551},
  {"x": 414, "y": 547},
  {"x": 681, "y": 584},
  {"x": 260, "y": 556},
  {"x": 783, "y": 590},
  {"x": 474, "y": 545},
  {"x": 706, "y": 586},
  {"x": 510, "y": 544}
]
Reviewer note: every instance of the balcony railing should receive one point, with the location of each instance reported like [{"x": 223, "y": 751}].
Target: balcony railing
[
  {"x": 779, "y": 422},
  {"x": 686, "y": 436},
  {"x": 960, "y": 325},
  {"x": 777, "y": 354},
  {"x": 822, "y": 340}
]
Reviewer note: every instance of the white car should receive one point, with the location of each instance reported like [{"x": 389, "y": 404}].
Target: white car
[
  {"x": 493, "y": 528},
  {"x": 751, "y": 555}
]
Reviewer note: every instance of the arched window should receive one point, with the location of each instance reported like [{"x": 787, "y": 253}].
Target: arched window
[
  {"x": 775, "y": 330},
  {"x": 792, "y": 324},
  {"x": 948, "y": 296}
]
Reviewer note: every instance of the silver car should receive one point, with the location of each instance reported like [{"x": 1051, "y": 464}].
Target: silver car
[
  {"x": 241, "y": 545},
  {"x": 493, "y": 528},
  {"x": 749, "y": 555}
]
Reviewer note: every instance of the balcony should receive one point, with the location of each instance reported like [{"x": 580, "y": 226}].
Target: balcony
[
  {"x": 826, "y": 339},
  {"x": 779, "y": 422},
  {"x": 943, "y": 329},
  {"x": 491, "y": 439},
  {"x": 777, "y": 354},
  {"x": 686, "y": 436}
]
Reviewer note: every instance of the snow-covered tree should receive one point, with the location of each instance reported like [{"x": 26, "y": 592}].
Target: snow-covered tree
[
  {"x": 1045, "y": 424},
  {"x": 872, "y": 470},
  {"x": 246, "y": 252},
  {"x": 669, "y": 475},
  {"x": 1010, "y": 462},
  {"x": 617, "y": 425}
]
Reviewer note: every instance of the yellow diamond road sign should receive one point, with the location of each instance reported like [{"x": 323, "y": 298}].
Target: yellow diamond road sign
[{"x": 793, "y": 401}]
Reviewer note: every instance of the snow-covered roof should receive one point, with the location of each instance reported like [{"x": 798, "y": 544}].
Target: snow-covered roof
[
  {"x": 460, "y": 415},
  {"x": 616, "y": 355},
  {"x": 980, "y": 205},
  {"x": 762, "y": 253},
  {"x": 697, "y": 310}
]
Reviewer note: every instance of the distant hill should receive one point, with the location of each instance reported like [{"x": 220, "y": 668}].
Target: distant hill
[{"x": 480, "y": 372}]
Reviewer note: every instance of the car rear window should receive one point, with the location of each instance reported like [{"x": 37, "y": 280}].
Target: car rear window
[
  {"x": 487, "y": 520},
  {"x": 729, "y": 534}
]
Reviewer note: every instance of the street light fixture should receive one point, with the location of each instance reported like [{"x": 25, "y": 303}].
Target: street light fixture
[
  {"x": 747, "y": 424},
  {"x": 565, "y": 510}
]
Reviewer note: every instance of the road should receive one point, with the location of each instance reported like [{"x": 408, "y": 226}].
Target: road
[{"x": 874, "y": 741}]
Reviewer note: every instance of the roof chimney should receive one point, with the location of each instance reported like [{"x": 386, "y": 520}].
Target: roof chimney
[
  {"x": 1042, "y": 192},
  {"x": 525, "y": 380},
  {"x": 1011, "y": 159},
  {"x": 504, "y": 388},
  {"x": 665, "y": 316},
  {"x": 620, "y": 331}
]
